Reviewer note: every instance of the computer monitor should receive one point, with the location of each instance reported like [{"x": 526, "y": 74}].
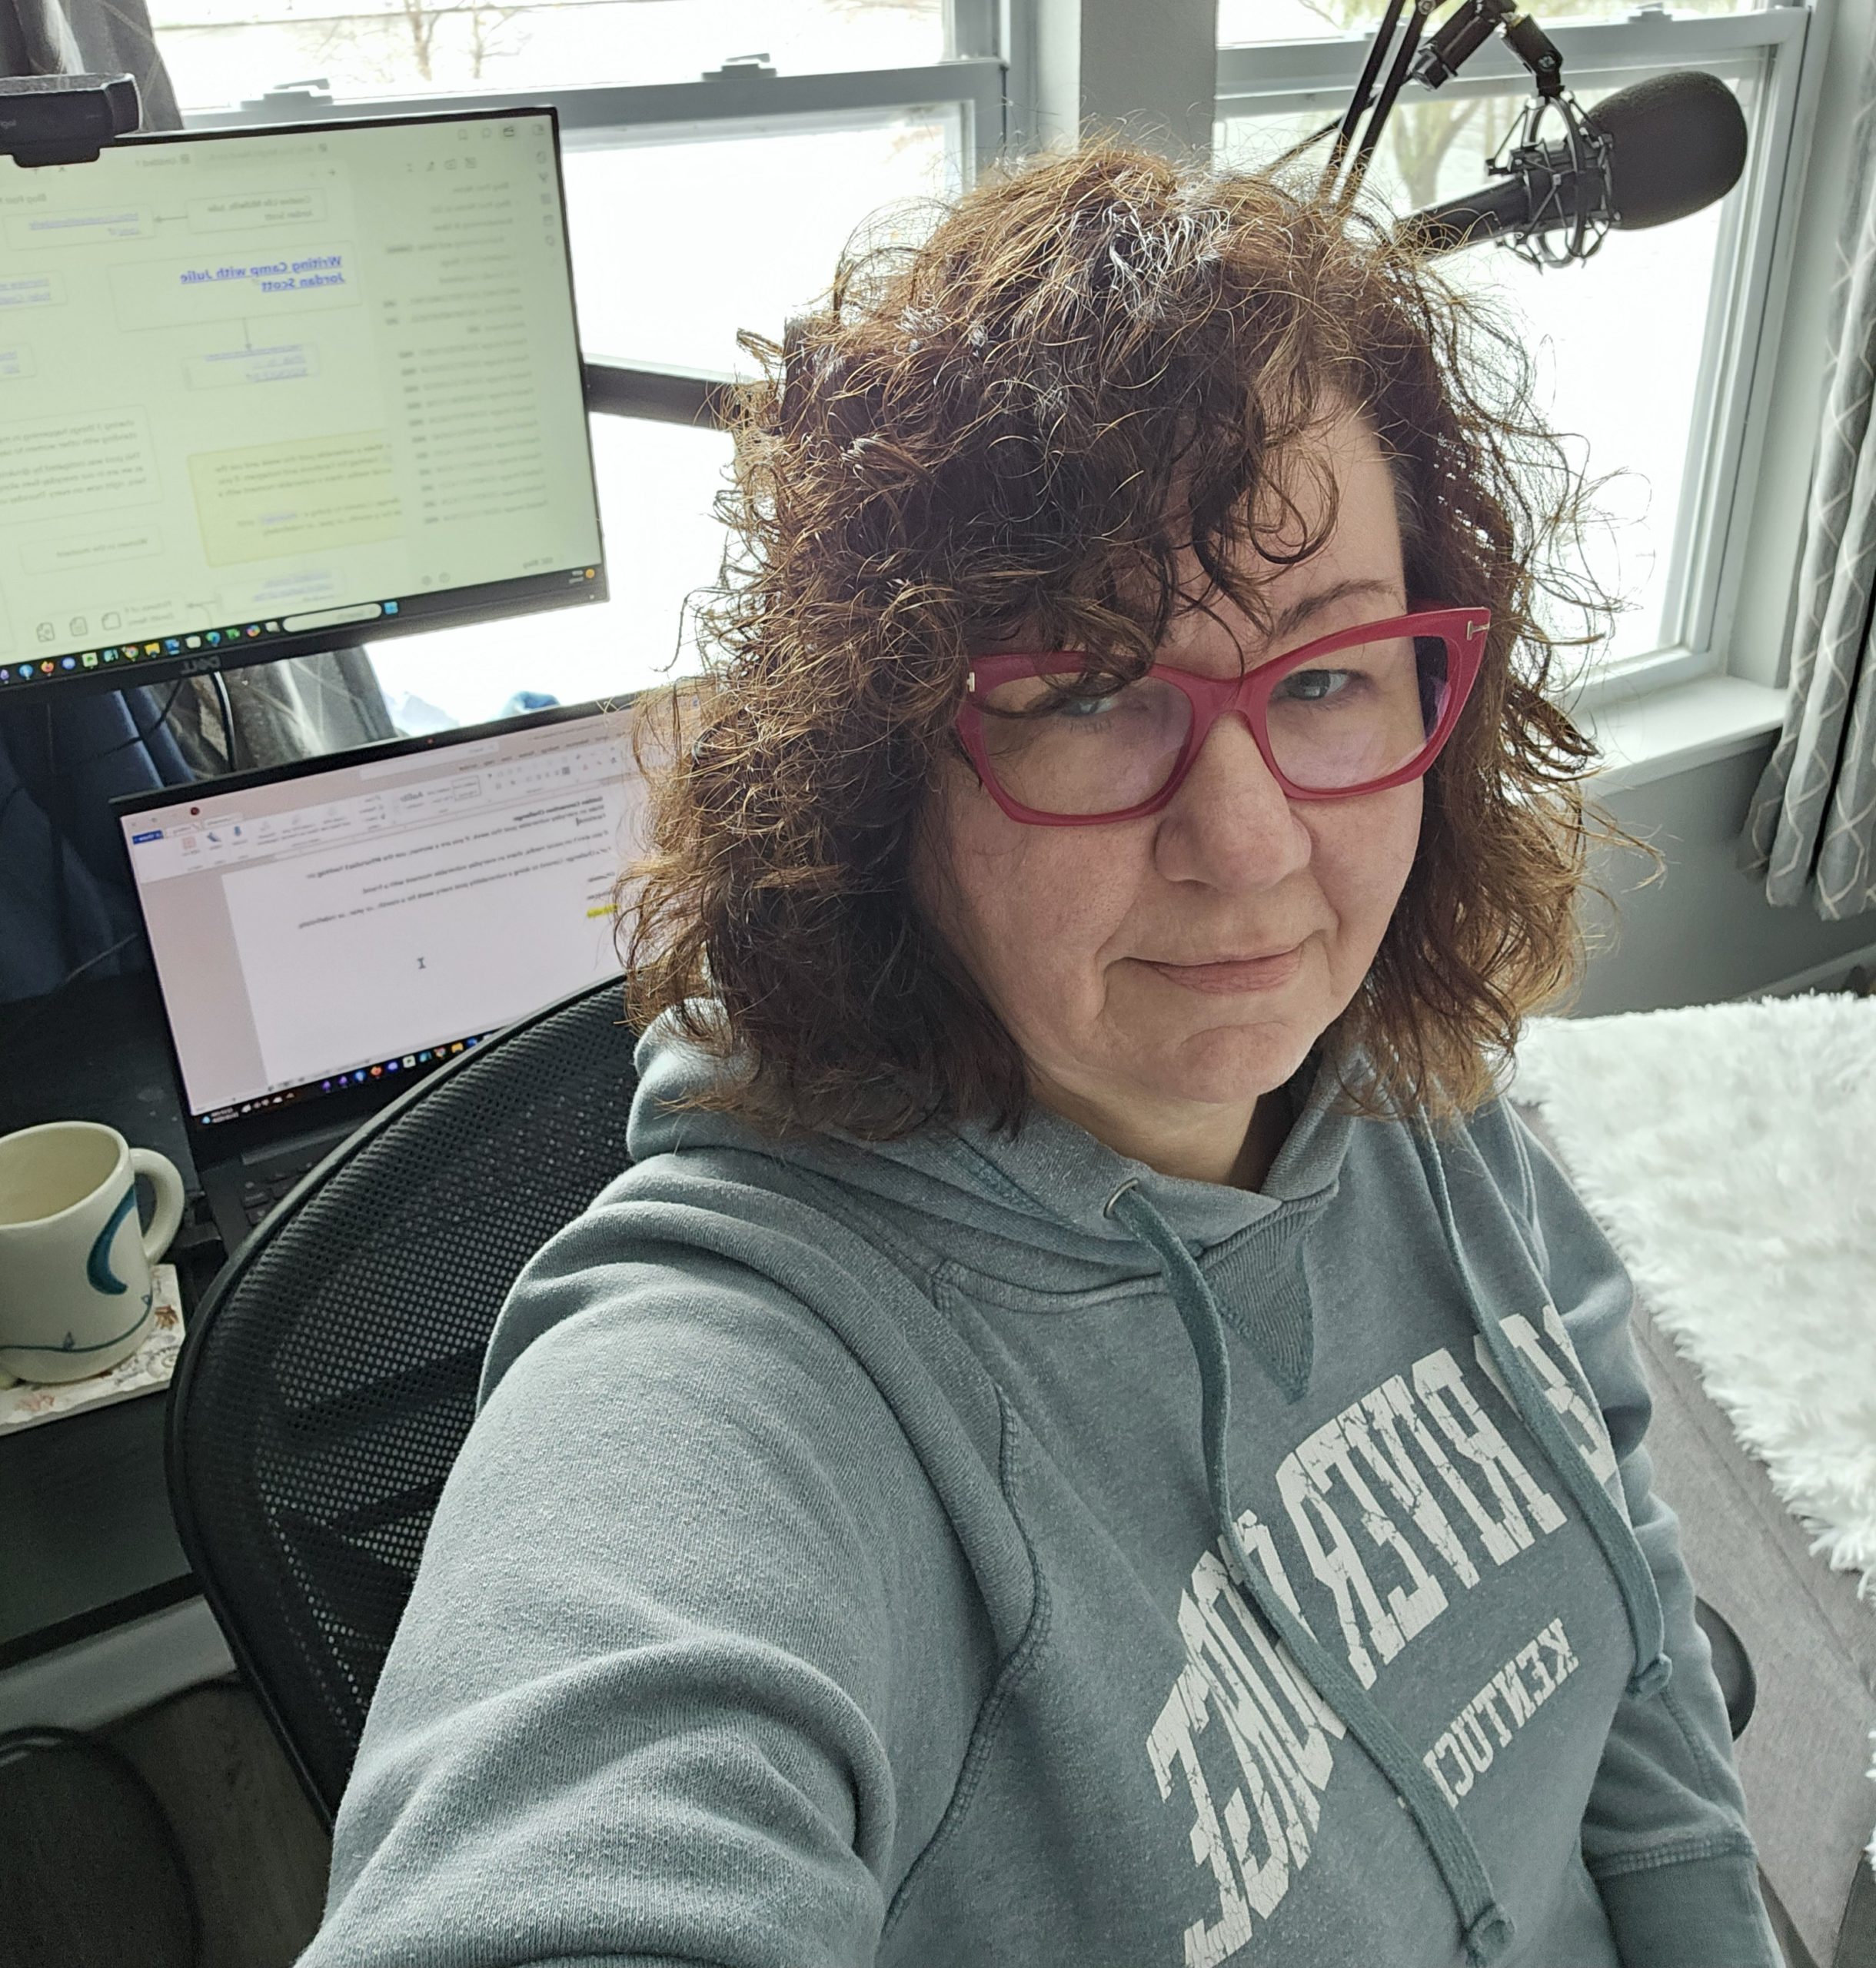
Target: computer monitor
[{"x": 268, "y": 391}]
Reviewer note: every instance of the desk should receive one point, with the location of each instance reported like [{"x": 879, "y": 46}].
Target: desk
[{"x": 88, "y": 1541}]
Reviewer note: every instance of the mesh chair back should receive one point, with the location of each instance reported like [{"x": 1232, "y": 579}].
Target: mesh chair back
[{"x": 326, "y": 1382}]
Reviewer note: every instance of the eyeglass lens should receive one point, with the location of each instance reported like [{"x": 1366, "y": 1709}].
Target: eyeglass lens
[{"x": 1362, "y": 714}]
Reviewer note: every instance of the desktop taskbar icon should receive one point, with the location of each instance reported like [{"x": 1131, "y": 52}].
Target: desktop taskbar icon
[
  {"x": 187, "y": 644},
  {"x": 431, "y": 1055}
]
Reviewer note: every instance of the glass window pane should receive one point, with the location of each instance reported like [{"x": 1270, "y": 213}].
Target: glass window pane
[
  {"x": 1245, "y": 23},
  {"x": 656, "y": 485},
  {"x": 1617, "y": 341},
  {"x": 677, "y": 245},
  {"x": 222, "y": 52}
]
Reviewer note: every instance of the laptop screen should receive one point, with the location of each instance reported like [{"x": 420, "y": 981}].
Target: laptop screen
[{"x": 325, "y": 925}]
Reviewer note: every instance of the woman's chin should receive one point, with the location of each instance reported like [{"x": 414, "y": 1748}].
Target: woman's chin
[{"x": 1227, "y": 1066}]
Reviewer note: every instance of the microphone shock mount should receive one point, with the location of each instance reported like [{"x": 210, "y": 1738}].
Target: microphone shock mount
[{"x": 1574, "y": 206}]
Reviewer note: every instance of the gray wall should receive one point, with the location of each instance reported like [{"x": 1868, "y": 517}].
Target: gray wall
[{"x": 1704, "y": 932}]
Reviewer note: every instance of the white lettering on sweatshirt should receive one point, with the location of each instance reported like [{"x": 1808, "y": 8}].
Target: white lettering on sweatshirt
[
  {"x": 1308, "y": 1478},
  {"x": 1566, "y": 1389},
  {"x": 1257, "y": 1798},
  {"x": 1464, "y": 1751},
  {"x": 1171, "y": 1747}
]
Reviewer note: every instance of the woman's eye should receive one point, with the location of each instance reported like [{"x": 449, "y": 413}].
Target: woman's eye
[
  {"x": 1315, "y": 687},
  {"x": 1086, "y": 707}
]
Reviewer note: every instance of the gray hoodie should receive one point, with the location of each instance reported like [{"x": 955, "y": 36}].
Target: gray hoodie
[{"x": 994, "y": 1552}]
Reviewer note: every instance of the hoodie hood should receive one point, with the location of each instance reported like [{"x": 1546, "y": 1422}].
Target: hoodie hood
[
  {"x": 1052, "y": 1209},
  {"x": 1029, "y": 1208}
]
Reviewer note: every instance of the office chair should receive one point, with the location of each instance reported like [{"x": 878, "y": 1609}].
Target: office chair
[{"x": 327, "y": 1381}]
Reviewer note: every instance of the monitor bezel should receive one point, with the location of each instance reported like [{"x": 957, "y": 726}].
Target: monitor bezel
[
  {"x": 306, "y": 1111},
  {"x": 485, "y": 602}
]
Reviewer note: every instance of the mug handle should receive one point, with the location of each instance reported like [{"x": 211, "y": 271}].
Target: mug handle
[{"x": 166, "y": 1179}]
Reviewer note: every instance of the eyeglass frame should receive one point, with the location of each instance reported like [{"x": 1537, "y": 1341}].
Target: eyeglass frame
[{"x": 1462, "y": 630}]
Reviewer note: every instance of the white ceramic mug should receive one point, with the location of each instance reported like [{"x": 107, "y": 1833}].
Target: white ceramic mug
[{"x": 75, "y": 1289}]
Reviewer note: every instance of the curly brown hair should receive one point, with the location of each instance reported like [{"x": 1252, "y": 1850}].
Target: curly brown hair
[{"x": 1090, "y": 362}]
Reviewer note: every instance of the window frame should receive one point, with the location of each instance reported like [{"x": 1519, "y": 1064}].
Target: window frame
[
  {"x": 1782, "y": 47},
  {"x": 996, "y": 53},
  {"x": 725, "y": 104}
]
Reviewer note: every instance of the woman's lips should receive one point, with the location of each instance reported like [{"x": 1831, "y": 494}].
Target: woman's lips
[{"x": 1261, "y": 974}]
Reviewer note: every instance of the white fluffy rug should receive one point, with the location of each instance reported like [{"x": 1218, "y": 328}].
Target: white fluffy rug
[{"x": 1729, "y": 1153}]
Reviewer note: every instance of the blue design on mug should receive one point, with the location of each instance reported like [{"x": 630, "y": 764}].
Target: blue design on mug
[{"x": 98, "y": 1265}]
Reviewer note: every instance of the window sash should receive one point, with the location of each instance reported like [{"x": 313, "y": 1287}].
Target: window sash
[
  {"x": 735, "y": 105},
  {"x": 1738, "y": 344}
]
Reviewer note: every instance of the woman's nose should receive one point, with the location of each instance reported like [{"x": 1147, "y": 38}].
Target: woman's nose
[{"x": 1231, "y": 823}]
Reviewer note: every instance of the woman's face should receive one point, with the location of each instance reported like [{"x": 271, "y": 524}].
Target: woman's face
[{"x": 1113, "y": 953}]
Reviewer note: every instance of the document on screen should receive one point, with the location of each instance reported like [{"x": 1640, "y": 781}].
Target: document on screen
[
  {"x": 458, "y": 926},
  {"x": 249, "y": 379}
]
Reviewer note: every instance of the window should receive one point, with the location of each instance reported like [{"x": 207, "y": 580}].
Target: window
[
  {"x": 220, "y": 51},
  {"x": 719, "y": 152},
  {"x": 656, "y": 485},
  {"x": 1646, "y": 355},
  {"x": 706, "y": 193},
  {"x": 678, "y": 242}
]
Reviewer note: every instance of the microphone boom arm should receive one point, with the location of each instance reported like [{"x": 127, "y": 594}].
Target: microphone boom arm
[
  {"x": 1432, "y": 64},
  {"x": 1384, "y": 102}
]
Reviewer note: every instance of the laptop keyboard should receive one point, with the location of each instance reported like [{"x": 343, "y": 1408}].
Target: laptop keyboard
[{"x": 264, "y": 1188}]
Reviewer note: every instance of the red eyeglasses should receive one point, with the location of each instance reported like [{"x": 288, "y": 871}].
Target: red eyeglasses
[{"x": 1376, "y": 717}]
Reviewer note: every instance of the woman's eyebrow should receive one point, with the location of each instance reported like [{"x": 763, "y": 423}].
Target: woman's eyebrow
[{"x": 1287, "y": 621}]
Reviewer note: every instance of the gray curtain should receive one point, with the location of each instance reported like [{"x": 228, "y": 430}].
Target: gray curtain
[
  {"x": 1810, "y": 829},
  {"x": 89, "y": 38}
]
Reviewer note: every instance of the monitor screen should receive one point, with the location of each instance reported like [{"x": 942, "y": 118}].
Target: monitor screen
[
  {"x": 268, "y": 391},
  {"x": 323, "y": 927}
]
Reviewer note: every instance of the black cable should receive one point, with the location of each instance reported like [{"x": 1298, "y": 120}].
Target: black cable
[
  {"x": 79, "y": 970},
  {"x": 46, "y": 1000},
  {"x": 57, "y": 827},
  {"x": 1307, "y": 143},
  {"x": 138, "y": 736}
]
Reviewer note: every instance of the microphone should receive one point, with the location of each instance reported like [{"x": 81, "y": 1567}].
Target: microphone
[{"x": 1649, "y": 154}]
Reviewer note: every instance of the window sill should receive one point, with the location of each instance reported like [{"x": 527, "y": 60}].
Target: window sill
[{"x": 1676, "y": 729}]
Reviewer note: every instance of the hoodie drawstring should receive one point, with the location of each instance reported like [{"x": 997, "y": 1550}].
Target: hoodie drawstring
[{"x": 1488, "y": 1928}]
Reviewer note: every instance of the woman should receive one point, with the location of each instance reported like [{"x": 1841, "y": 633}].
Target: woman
[{"x": 1090, "y": 1434}]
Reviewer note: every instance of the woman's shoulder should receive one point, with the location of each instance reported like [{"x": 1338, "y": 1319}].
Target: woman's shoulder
[
  {"x": 1506, "y": 1145},
  {"x": 760, "y": 1267},
  {"x": 709, "y": 1240}
]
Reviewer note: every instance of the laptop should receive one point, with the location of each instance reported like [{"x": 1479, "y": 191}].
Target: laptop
[{"x": 326, "y": 932}]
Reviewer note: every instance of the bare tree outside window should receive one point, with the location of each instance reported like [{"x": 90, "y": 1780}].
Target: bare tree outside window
[
  {"x": 221, "y": 51},
  {"x": 404, "y": 41}
]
